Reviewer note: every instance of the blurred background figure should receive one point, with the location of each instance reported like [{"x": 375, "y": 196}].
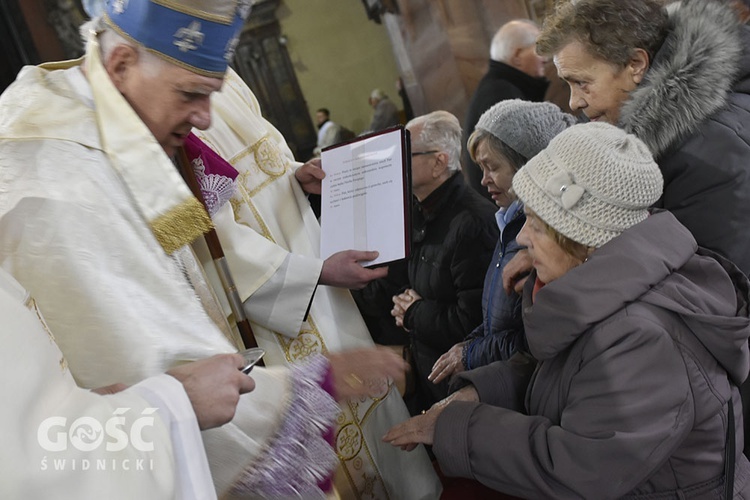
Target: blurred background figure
[
  {"x": 385, "y": 112},
  {"x": 328, "y": 131}
]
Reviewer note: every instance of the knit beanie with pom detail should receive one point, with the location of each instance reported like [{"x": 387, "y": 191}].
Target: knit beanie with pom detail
[{"x": 591, "y": 183}]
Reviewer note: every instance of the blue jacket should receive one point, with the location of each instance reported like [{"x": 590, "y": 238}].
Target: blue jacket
[{"x": 501, "y": 333}]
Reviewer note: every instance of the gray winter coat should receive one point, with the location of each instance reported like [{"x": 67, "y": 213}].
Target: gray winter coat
[
  {"x": 631, "y": 392},
  {"x": 693, "y": 111}
]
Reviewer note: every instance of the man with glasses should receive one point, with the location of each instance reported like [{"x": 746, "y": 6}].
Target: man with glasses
[{"x": 435, "y": 298}]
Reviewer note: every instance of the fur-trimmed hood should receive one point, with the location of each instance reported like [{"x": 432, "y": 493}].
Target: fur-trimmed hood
[{"x": 690, "y": 76}]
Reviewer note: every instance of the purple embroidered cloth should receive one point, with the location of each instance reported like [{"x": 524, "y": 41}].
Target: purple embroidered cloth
[
  {"x": 215, "y": 175},
  {"x": 300, "y": 460}
]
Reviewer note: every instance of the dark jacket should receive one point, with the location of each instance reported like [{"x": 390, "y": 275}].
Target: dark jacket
[
  {"x": 693, "y": 111},
  {"x": 634, "y": 379},
  {"x": 501, "y": 82},
  {"x": 501, "y": 333},
  {"x": 454, "y": 232}
]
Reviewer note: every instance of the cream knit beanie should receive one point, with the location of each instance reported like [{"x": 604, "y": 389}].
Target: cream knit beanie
[
  {"x": 591, "y": 183},
  {"x": 527, "y": 127}
]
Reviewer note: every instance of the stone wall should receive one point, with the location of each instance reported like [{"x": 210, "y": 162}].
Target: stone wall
[{"x": 442, "y": 47}]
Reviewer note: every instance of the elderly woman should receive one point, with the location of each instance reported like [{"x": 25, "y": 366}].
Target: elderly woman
[
  {"x": 506, "y": 136},
  {"x": 680, "y": 81},
  {"x": 641, "y": 339}
]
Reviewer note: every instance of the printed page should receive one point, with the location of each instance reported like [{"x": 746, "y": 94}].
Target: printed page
[{"x": 364, "y": 197}]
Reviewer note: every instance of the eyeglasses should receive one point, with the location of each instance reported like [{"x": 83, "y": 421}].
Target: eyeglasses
[{"x": 419, "y": 153}]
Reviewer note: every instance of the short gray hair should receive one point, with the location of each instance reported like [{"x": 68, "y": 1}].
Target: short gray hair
[
  {"x": 513, "y": 35},
  {"x": 441, "y": 130},
  {"x": 377, "y": 94},
  {"x": 109, "y": 39}
]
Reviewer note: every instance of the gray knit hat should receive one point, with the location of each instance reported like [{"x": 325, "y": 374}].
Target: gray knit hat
[
  {"x": 591, "y": 183},
  {"x": 525, "y": 126}
]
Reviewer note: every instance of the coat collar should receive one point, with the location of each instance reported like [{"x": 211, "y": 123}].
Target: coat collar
[
  {"x": 635, "y": 261},
  {"x": 532, "y": 87},
  {"x": 441, "y": 196},
  {"x": 690, "y": 77}
]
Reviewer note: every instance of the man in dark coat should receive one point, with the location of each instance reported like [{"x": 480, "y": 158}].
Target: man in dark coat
[
  {"x": 515, "y": 72},
  {"x": 681, "y": 83},
  {"x": 436, "y": 297}
]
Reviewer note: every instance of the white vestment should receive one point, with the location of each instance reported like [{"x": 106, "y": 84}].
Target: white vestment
[
  {"x": 61, "y": 441},
  {"x": 271, "y": 240},
  {"x": 89, "y": 203}
]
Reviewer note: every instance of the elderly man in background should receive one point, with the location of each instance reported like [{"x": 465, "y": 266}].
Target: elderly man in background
[
  {"x": 385, "y": 112},
  {"x": 436, "y": 297},
  {"x": 515, "y": 72},
  {"x": 97, "y": 224}
]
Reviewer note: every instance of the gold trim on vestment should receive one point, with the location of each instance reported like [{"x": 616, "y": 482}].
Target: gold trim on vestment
[
  {"x": 31, "y": 304},
  {"x": 269, "y": 158},
  {"x": 181, "y": 225},
  {"x": 309, "y": 341},
  {"x": 355, "y": 465},
  {"x": 67, "y": 64},
  {"x": 354, "y": 460},
  {"x": 239, "y": 156},
  {"x": 263, "y": 153}
]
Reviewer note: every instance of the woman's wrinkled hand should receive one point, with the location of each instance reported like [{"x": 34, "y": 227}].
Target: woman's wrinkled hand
[
  {"x": 448, "y": 364},
  {"x": 417, "y": 430},
  {"x": 516, "y": 271},
  {"x": 421, "y": 429}
]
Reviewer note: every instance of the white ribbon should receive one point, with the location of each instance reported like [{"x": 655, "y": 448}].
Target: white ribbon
[{"x": 561, "y": 185}]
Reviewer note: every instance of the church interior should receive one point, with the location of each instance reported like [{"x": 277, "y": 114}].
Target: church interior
[
  {"x": 299, "y": 56},
  {"x": 576, "y": 325}
]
